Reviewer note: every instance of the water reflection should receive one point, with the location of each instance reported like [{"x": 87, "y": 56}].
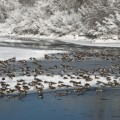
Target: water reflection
[{"x": 90, "y": 106}]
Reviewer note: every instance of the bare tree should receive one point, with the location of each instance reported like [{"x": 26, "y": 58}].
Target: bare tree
[
  {"x": 27, "y": 2},
  {"x": 78, "y": 4}
]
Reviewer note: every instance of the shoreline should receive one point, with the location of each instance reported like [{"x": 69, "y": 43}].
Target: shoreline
[{"x": 82, "y": 41}]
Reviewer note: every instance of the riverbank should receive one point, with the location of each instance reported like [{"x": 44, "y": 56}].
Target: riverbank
[{"x": 81, "y": 40}]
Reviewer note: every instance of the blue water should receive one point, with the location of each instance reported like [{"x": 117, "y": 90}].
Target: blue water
[{"x": 90, "y": 106}]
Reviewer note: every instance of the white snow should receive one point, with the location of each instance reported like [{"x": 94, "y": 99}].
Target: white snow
[{"x": 24, "y": 54}]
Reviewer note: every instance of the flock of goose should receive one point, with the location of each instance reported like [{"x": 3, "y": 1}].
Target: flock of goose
[{"x": 19, "y": 77}]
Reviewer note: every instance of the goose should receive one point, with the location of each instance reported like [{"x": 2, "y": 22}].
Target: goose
[
  {"x": 3, "y": 78},
  {"x": 47, "y": 57},
  {"x": 52, "y": 83},
  {"x": 2, "y": 93},
  {"x": 51, "y": 87},
  {"x": 40, "y": 95},
  {"x": 25, "y": 87},
  {"x": 65, "y": 77},
  {"x": 46, "y": 81},
  {"x": 62, "y": 85},
  {"x": 60, "y": 82},
  {"x": 22, "y": 91},
  {"x": 21, "y": 80},
  {"x": 99, "y": 90},
  {"x": 60, "y": 94},
  {"x": 38, "y": 80},
  {"x": 39, "y": 89}
]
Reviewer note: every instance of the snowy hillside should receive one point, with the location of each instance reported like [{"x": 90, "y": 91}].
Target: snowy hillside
[{"x": 63, "y": 18}]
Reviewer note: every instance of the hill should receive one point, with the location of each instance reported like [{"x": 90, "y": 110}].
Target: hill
[{"x": 91, "y": 18}]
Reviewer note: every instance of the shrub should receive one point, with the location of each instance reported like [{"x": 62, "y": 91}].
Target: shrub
[{"x": 5, "y": 7}]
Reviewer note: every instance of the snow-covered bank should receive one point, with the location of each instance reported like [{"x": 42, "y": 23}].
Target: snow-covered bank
[
  {"x": 20, "y": 54},
  {"x": 81, "y": 40},
  {"x": 102, "y": 41},
  {"x": 67, "y": 84},
  {"x": 14, "y": 59}
]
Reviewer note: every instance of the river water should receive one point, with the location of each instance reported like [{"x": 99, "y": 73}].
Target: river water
[{"x": 90, "y": 106}]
